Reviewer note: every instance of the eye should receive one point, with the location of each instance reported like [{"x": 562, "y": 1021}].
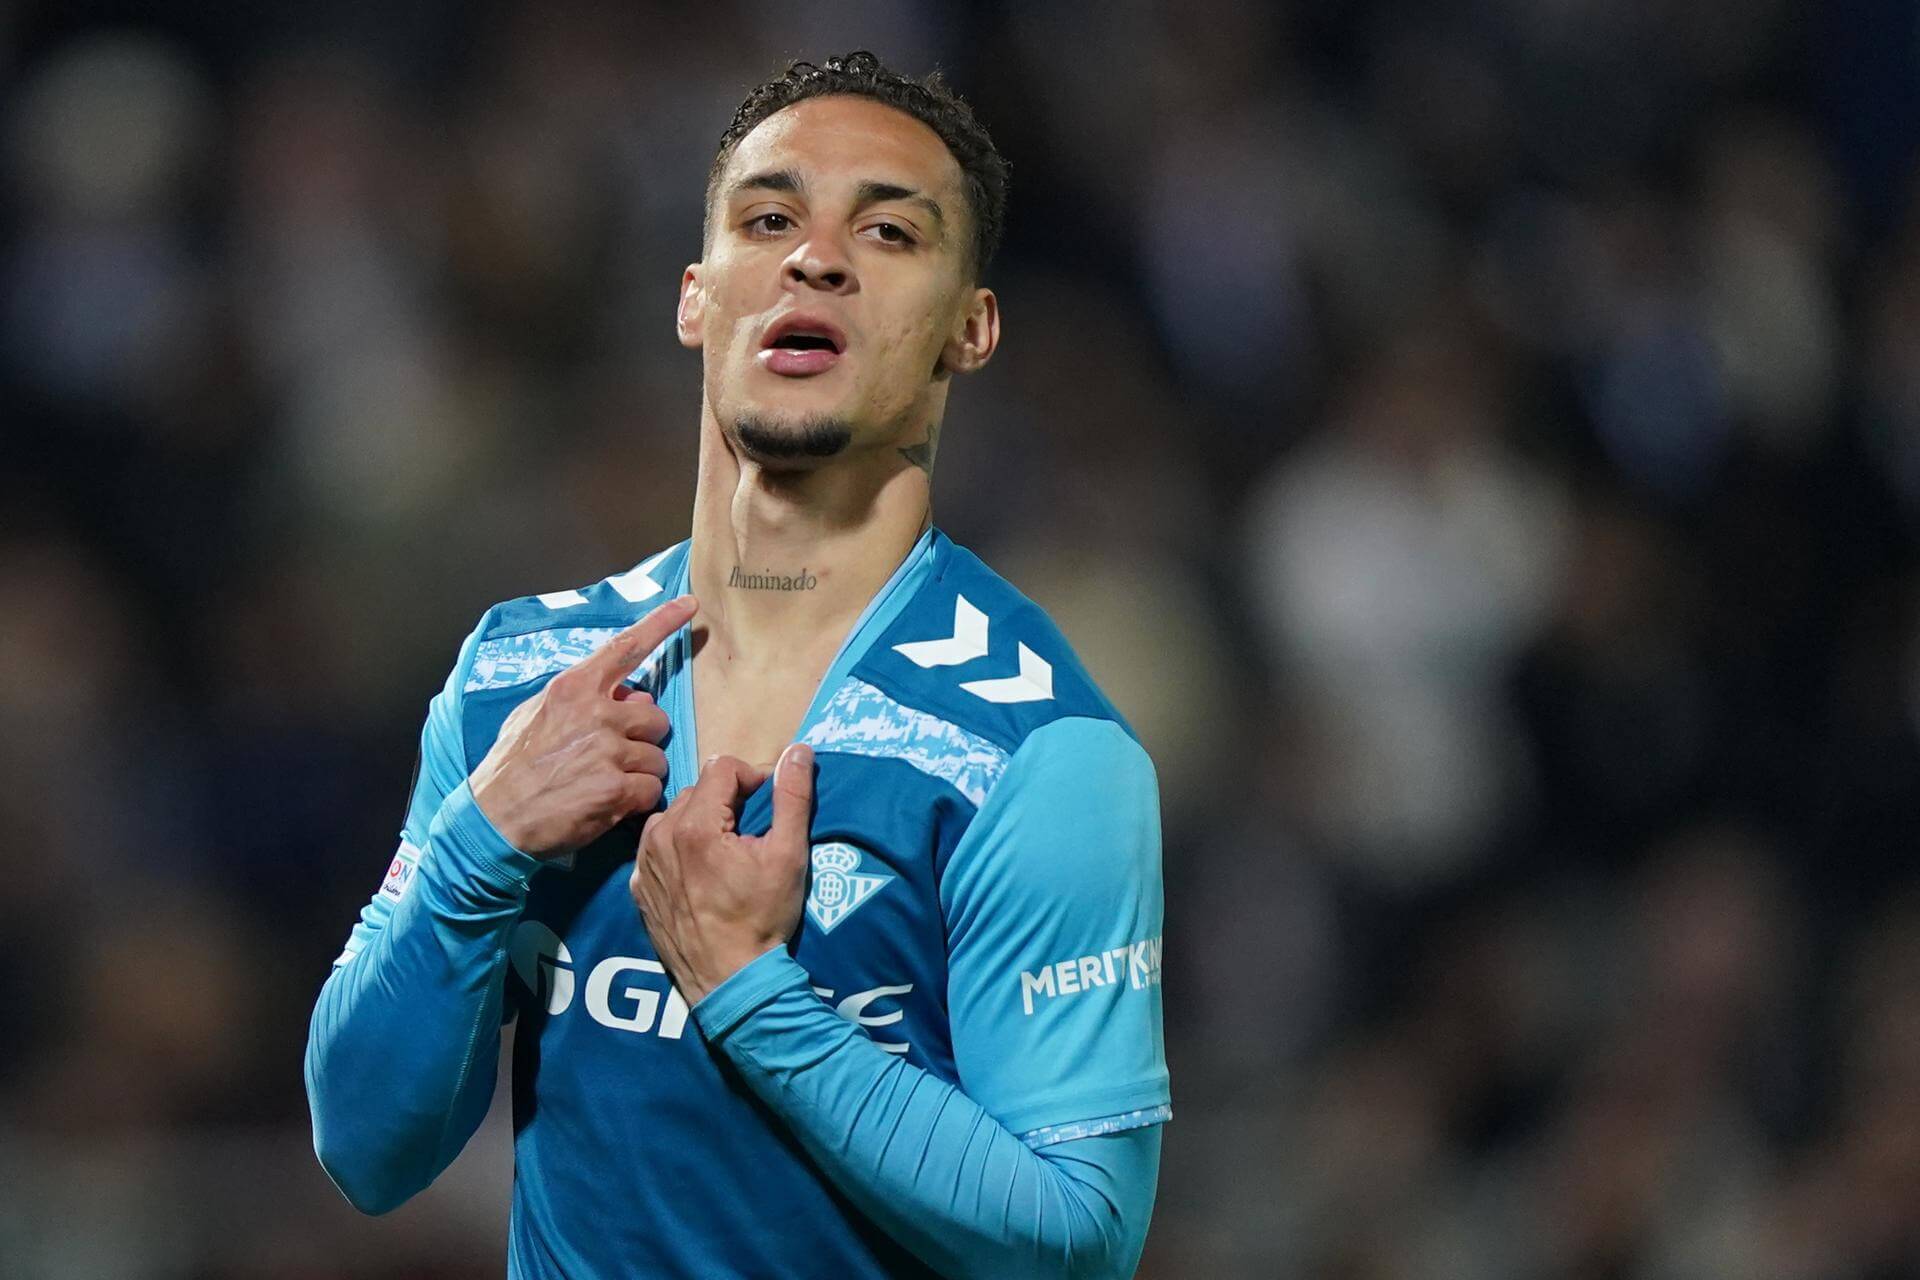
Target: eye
[
  {"x": 891, "y": 233},
  {"x": 771, "y": 224}
]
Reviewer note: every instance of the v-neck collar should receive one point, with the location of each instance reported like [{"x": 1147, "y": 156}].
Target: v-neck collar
[{"x": 676, "y": 695}]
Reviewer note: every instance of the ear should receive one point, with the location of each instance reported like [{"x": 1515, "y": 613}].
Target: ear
[
  {"x": 688, "y": 320},
  {"x": 975, "y": 337}
]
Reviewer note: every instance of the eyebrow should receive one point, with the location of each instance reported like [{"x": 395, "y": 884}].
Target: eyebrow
[
  {"x": 867, "y": 193},
  {"x": 875, "y": 192},
  {"x": 770, "y": 180}
]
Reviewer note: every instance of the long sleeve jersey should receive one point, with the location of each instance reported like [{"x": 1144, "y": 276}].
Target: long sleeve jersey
[{"x": 955, "y": 1068}]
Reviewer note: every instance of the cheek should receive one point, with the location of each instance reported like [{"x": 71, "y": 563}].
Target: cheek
[
  {"x": 720, "y": 325},
  {"x": 910, "y": 349}
]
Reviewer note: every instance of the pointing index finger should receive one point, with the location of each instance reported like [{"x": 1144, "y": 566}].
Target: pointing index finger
[{"x": 614, "y": 660}]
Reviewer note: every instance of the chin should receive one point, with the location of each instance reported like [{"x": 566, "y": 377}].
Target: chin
[{"x": 790, "y": 439}]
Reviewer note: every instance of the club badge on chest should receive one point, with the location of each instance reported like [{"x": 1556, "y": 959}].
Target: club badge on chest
[{"x": 839, "y": 887}]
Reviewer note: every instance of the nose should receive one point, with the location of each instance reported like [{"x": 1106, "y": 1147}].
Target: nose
[{"x": 819, "y": 262}]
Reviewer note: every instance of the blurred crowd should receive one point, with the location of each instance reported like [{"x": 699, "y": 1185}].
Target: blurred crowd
[{"x": 1476, "y": 442}]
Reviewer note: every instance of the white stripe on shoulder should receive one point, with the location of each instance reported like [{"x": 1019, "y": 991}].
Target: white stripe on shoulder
[
  {"x": 510, "y": 660},
  {"x": 863, "y": 721}
]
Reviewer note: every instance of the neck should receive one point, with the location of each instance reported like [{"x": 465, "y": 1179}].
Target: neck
[{"x": 783, "y": 558}]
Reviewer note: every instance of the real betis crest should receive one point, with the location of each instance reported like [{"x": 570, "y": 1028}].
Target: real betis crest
[{"x": 838, "y": 887}]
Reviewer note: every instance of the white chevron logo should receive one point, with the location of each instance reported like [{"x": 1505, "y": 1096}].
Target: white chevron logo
[
  {"x": 635, "y": 584},
  {"x": 1033, "y": 684},
  {"x": 968, "y": 641}
]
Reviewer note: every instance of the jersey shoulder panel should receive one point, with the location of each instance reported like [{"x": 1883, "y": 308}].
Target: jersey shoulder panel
[
  {"x": 970, "y": 650},
  {"x": 520, "y": 641},
  {"x": 626, "y": 595}
]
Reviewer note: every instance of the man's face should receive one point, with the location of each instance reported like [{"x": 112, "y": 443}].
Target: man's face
[{"x": 835, "y": 295}]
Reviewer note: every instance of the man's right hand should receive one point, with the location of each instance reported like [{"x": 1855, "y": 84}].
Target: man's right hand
[{"x": 584, "y": 752}]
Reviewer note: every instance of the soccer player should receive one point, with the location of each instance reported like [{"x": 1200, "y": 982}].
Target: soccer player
[{"x": 877, "y": 993}]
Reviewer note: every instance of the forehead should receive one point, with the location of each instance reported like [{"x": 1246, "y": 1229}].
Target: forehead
[{"x": 852, "y": 138}]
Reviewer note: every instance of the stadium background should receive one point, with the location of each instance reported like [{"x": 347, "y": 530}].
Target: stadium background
[{"x": 1477, "y": 441}]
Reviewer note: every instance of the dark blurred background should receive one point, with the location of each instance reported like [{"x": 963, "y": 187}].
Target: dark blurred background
[{"x": 1476, "y": 441}]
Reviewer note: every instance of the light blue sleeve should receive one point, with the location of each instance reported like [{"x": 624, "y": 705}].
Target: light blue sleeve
[
  {"x": 1043, "y": 1163},
  {"x": 926, "y": 1163},
  {"x": 405, "y": 1038},
  {"x": 1053, "y": 907}
]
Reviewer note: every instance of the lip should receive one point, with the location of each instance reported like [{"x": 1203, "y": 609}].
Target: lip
[
  {"x": 792, "y": 363},
  {"x": 805, "y": 322},
  {"x": 797, "y": 364}
]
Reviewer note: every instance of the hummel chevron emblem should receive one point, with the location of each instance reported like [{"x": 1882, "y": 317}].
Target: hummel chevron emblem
[
  {"x": 1033, "y": 684},
  {"x": 635, "y": 584},
  {"x": 969, "y": 640}
]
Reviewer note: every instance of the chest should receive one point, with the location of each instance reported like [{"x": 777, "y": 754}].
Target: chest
[
  {"x": 872, "y": 934},
  {"x": 752, "y": 713}
]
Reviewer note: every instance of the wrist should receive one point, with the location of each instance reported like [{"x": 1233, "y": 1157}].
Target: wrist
[
  {"x": 499, "y": 813},
  {"x": 469, "y": 852},
  {"x": 766, "y": 977},
  {"x": 488, "y": 802},
  {"x": 703, "y": 980}
]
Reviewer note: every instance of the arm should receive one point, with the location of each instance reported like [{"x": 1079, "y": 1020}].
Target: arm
[
  {"x": 1043, "y": 1162},
  {"x": 924, "y": 1161},
  {"x": 405, "y": 1037},
  {"x": 402, "y": 1053}
]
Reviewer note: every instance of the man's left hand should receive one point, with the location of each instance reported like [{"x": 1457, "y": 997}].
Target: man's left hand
[{"x": 713, "y": 899}]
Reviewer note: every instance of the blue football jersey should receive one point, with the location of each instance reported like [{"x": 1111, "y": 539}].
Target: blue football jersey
[{"x": 984, "y": 902}]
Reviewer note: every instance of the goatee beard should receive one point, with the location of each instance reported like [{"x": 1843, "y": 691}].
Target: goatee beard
[{"x": 769, "y": 440}]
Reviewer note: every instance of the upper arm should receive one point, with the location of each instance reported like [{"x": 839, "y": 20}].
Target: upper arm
[{"x": 1053, "y": 907}]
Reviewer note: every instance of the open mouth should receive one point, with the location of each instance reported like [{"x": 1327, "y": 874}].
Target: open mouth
[
  {"x": 800, "y": 346},
  {"x": 799, "y": 333}
]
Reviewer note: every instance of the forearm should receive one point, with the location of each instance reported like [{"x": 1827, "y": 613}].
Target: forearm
[
  {"x": 918, "y": 1156},
  {"x": 402, "y": 1049}
]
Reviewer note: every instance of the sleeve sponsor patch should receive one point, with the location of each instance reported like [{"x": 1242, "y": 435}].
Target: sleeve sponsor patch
[
  {"x": 1134, "y": 966},
  {"x": 406, "y": 859}
]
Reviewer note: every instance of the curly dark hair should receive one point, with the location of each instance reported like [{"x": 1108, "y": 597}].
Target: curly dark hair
[{"x": 927, "y": 100}]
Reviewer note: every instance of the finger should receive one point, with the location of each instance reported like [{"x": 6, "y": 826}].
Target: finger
[
  {"x": 615, "y": 659},
  {"x": 643, "y": 791},
  {"x": 650, "y": 849},
  {"x": 792, "y": 797},
  {"x": 638, "y": 718},
  {"x": 727, "y": 781},
  {"x": 643, "y": 757}
]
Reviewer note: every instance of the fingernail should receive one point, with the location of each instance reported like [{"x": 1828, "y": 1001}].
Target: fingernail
[
  {"x": 797, "y": 756},
  {"x": 708, "y": 762}
]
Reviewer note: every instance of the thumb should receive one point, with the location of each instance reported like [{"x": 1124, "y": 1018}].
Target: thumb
[{"x": 792, "y": 797}]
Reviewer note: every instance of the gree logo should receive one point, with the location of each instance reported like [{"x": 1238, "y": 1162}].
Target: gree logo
[
  {"x": 633, "y": 993},
  {"x": 545, "y": 966}
]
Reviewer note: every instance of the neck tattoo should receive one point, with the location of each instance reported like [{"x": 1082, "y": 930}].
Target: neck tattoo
[
  {"x": 921, "y": 455},
  {"x": 768, "y": 580}
]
